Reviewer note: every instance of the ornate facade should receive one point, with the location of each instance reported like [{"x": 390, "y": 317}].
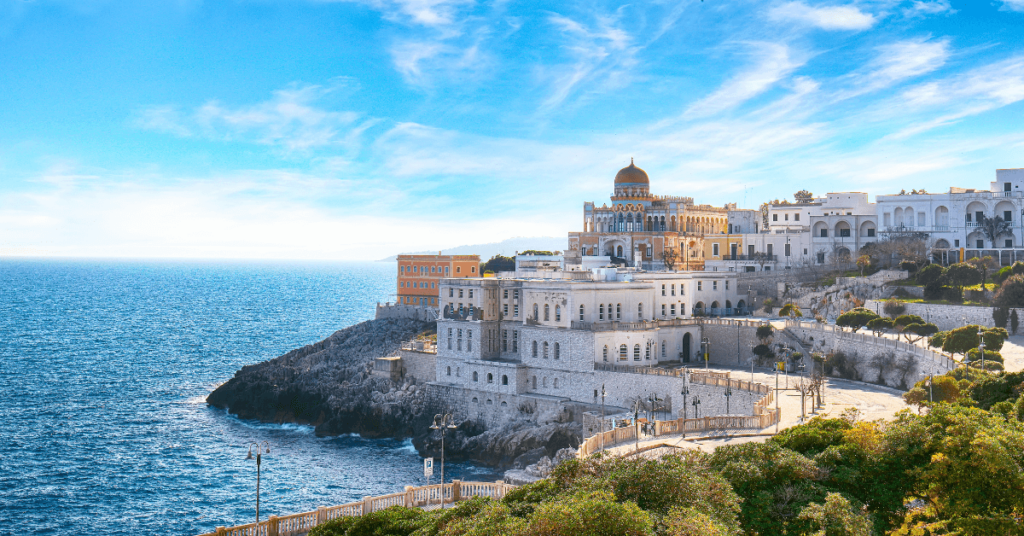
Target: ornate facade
[{"x": 639, "y": 225}]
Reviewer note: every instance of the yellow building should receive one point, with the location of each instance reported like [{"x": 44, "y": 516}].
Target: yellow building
[{"x": 664, "y": 232}]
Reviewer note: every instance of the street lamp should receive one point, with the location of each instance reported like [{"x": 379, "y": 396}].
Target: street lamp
[
  {"x": 602, "y": 417},
  {"x": 728, "y": 393},
  {"x": 696, "y": 407},
  {"x": 981, "y": 347},
  {"x": 443, "y": 423},
  {"x": 752, "y": 355},
  {"x": 928, "y": 382},
  {"x": 260, "y": 451},
  {"x": 705, "y": 343}
]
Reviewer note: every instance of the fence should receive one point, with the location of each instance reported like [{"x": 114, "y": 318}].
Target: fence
[
  {"x": 943, "y": 360},
  {"x": 720, "y": 379},
  {"x": 412, "y": 497},
  {"x": 763, "y": 417}
]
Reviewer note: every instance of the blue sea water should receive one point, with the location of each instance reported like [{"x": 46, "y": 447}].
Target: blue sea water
[{"x": 104, "y": 370}]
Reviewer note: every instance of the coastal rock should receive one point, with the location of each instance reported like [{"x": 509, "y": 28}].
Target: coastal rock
[{"x": 328, "y": 385}]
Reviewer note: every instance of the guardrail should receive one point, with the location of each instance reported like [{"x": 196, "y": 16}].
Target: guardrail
[
  {"x": 412, "y": 497},
  {"x": 719, "y": 379}
]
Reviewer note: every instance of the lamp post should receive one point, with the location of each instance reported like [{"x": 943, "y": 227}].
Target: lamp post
[
  {"x": 636, "y": 423},
  {"x": 443, "y": 423},
  {"x": 752, "y": 355},
  {"x": 928, "y": 382},
  {"x": 728, "y": 393},
  {"x": 261, "y": 449},
  {"x": 776, "y": 398},
  {"x": 685, "y": 392},
  {"x": 696, "y": 407},
  {"x": 602, "y": 417},
  {"x": 981, "y": 347},
  {"x": 705, "y": 344}
]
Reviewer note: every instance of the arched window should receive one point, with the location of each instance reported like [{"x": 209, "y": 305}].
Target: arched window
[
  {"x": 647, "y": 353},
  {"x": 605, "y": 356},
  {"x": 534, "y": 348},
  {"x": 636, "y": 352},
  {"x": 582, "y": 311},
  {"x": 547, "y": 312},
  {"x": 536, "y": 316},
  {"x": 545, "y": 350},
  {"x": 449, "y": 371},
  {"x": 476, "y": 400},
  {"x": 558, "y": 313},
  {"x": 623, "y": 353},
  {"x": 556, "y": 350},
  {"x": 490, "y": 378},
  {"x": 503, "y": 404},
  {"x": 663, "y": 351},
  {"x": 475, "y": 378},
  {"x": 600, "y": 312},
  {"x": 618, "y": 310},
  {"x": 640, "y": 311},
  {"x": 504, "y": 380}
]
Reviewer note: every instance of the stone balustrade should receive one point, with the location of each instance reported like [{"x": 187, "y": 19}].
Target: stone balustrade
[{"x": 412, "y": 497}]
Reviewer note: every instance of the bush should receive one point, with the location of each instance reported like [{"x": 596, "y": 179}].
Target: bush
[
  {"x": 929, "y": 274},
  {"x": 1003, "y": 274},
  {"x": 893, "y": 308},
  {"x": 1011, "y": 293},
  {"x": 1001, "y": 315},
  {"x": 768, "y": 305},
  {"x": 790, "y": 309},
  {"x": 394, "y": 521},
  {"x": 935, "y": 291},
  {"x": 990, "y": 356},
  {"x": 588, "y": 513}
]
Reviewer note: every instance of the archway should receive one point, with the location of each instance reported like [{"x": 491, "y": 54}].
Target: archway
[
  {"x": 686, "y": 348},
  {"x": 618, "y": 252}
]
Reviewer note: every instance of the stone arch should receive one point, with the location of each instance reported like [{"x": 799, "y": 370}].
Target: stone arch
[
  {"x": 941, "y": 217},
  {"x": 842, "y": 228},
  {"x": 504, "y": 379},
  {"x": 490, "y": 378},
  {"x": 623, "y": 352},
  {"x": 818, "y": 228},
  {"x": 475, "y": 376},
  {"x": 941, "y": 243},
  {"x": 687, "y": 341},
  {"x": 866, "y": 227}
]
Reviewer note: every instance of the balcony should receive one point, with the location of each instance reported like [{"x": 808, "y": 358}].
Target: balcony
[{"x": 755, "y": 257}]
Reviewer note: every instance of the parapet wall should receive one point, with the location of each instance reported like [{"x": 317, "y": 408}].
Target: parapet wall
[
  {"x": 399, "y": 310},
  {"x": 946, "y": 317},
  {"x": 420, "y": 365}
]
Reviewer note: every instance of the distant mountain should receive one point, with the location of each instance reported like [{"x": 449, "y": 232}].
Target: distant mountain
[{"x": 506, "y": 247}]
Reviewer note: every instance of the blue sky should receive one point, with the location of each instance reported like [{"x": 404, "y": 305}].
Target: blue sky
[{"x": 317, "y": 129}]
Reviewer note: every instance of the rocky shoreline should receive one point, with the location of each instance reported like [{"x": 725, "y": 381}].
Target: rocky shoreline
[{"x": 329, "y": 385}]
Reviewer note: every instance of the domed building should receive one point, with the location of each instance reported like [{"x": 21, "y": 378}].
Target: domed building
[{"x": 661, "y": 232}]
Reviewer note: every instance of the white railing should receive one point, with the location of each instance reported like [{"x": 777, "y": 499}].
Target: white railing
[
  {"x": 412, "y": 497},
  {"x": 941, "y": 359}
]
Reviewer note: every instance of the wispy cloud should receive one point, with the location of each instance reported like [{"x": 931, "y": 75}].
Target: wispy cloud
[
  {"x": 895, "y": 63},
  {"x": 826, "y": 18},
  {"x": 920, "y": 8},
  {"x": 290, "y": 119},
  {"x": 963, "y": 95},
  {"x": 601, "y": 55},
  {"x": 774, "y": 62},
  {"x": 1013, "y": 5}
]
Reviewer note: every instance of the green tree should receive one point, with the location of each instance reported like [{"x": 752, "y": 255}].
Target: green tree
[
  {"x": 929, "y": 274},
  {"x": 791, "y": 310},
  {"x": 768, "y": 305},
  {"x": 856, "y": 318},
  {"x": 916, "y": 332},
  {"x": 880, "y": 325},
  {"x": 596, "y": 513},
  {"x": 764, "y": 333},
  {"x": 863, "y": 262},
  {"x": 837, "y": 517},
  {"x": 499, "y": 263},
  {"x": 962, "y": 275},
  {"x": 983, "y": 265},
  {"x": 1011, "y": 292},
  {"x": 1000, "y": 316},
  {"x": 995, "y": 227}
]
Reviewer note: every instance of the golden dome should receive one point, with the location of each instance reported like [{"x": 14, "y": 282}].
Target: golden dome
[{"x": 632, "y": 175}]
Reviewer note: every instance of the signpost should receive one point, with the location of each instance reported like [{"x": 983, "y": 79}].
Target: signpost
[{"x": 428, "y": 469}]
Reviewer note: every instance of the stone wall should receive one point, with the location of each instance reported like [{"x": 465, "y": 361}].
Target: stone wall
[
  {"x": 623, "y": 388},
  {"x": 878, "y": 359},
  {"x": 398, "y": 310},
  {"x": 946, "y": 317},
  {"x": 731, "y": 343},
  {"x": 419, "y": 365}
]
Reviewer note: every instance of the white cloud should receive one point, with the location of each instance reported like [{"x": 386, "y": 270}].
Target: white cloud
[
  {"x": 289, "y": 119},
  {"x": 826, "y": 18},
  {"x": 920, "y": 8},
  {"x": 775, "y": 62},
  {"x": 1013, "y": 5}
]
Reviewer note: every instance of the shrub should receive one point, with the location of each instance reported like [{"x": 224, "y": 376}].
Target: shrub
[
  {"x": 990, "y": 356},
  {"x": 393, "y": 521},
  {"x": 1011, "y": 293},
  {"x": 1002, "y": 275},
  {"x": 934, "y": 291},
  {"x": 791, "y": 310},
  {"x": 1014, "y": 322},
  {"x": 1018, "y": 268},
  {"x": 595, "y": 513},
  {"x": 962, "y": 275},
  {"x": 893, "y": 308},
  {"x": 768, "y": 305},
  {"x": 929, "y": 274},
  {"x": 1001, "y": 315},
  {"x": 764, "y": 333},
  {"x": 856, "y": 319}
]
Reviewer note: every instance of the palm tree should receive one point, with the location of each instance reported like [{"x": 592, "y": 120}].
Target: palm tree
[{"x": 993, "y": 228}]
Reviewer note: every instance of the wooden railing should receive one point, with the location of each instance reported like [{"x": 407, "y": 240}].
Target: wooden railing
[{"x": 412, "y": 497}]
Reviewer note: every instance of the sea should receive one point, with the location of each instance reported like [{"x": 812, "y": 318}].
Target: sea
[{"x": 105, "y": 366}]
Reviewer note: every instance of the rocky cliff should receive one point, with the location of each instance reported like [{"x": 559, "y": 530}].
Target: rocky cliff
[{"x": 328, "y": 385}]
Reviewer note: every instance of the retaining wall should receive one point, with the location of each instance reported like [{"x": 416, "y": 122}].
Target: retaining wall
[
  {"x": 946, "y": 317},
  {"x": 397, "y": 310}
]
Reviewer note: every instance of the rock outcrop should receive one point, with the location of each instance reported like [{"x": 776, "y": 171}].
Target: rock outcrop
[{"x": 329, "y": 385}]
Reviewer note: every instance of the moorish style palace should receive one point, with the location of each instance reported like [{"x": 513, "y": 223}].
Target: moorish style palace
[{"x": 639, "y": 226}]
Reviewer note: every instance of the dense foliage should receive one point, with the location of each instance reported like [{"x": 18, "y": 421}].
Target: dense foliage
[
  {"x": 499, "y": 263},
  {"x": 955, "y": 469}
]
